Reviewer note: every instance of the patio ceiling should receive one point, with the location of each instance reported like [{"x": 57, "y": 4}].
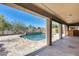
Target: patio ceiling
[
  {"x": 61, "y": 12},
  {"x": 67, "y": 12}
]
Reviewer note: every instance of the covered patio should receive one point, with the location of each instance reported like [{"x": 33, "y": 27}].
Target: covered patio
[
  {"x": 66, "y": 14},
  {"x": 68, "y": 46}
]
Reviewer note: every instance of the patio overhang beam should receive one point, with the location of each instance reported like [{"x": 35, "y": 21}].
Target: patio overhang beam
[
  {"x": 74, "y": 24},
  {"x": 59, "y": 21},
  {"x": 41, "y": 11}
]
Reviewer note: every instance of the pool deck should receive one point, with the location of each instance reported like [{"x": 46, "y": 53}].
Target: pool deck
[{"x": 14, "y": 45}]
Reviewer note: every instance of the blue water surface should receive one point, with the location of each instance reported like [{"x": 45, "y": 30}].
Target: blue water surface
[{"x": 34, "y": 36}]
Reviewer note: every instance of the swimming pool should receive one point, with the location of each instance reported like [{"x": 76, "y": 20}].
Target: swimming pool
[{"x": 34, "y": 36}]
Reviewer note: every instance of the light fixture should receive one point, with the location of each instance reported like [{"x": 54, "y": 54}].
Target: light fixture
[{"x": 70, "y": 14}]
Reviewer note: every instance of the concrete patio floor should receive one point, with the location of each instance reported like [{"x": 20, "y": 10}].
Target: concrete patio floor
[{"x": 68, "y": 46}]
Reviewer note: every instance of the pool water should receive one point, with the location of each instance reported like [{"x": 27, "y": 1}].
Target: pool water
[{"x": 34, "y": 36}]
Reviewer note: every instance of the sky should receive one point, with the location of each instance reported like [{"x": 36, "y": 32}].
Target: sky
[{"x": 15, "y": 15}]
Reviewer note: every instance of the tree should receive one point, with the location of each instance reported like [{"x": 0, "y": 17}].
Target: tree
[
  {"x": 7, "y": 26},
  {"x": 4, "y": 25},
  {"x": 16, "y": 27},
  {"x": 19, "y": 28},
  {"x": 55, "y": 26}
]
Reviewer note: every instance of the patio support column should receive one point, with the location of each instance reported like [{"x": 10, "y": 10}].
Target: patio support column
[
  {"x": 67, "y": 30},
  {"x": 49, "y": 32},
  {"x": 60, "y": 31}
]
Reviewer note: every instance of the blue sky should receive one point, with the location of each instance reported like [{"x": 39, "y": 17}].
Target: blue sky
[{"x": 14, "y": 15}]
